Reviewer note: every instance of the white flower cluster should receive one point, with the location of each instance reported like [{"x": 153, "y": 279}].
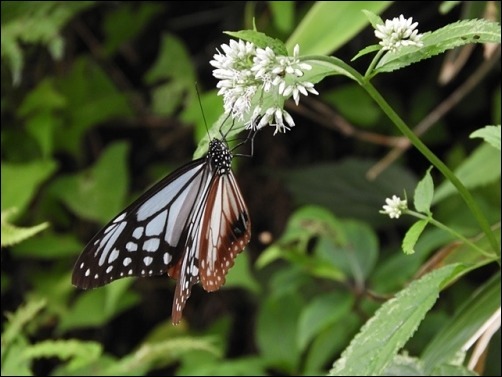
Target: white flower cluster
[
  {"x": 245, "y": 70},
  {"x": 398, "y": 32},
  {"x": 394, "y": 207}
]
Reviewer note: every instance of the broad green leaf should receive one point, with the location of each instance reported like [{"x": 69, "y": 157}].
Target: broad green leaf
[
  {"x": 239, "y": 275},
  {"x": 92, "y": 99},
  {"x": 480, "y": 168},
  {"x": 96, "y": 307},
  {"x": 476, "y": 310},
  {"x": 173, "y": 66},
  {"x": 451, "y": 36},
  {"x": 490, "y": 134},
  {"x": 126, "y": 22},
  {"x": 352, "y": 247},
  {"x": 21, "y": 181},
  {"x": 375, "y": 346},
  {"x": 330, "y": 24},
  {"x": 344, "y": 189},
  {"x": 424, "y": 193},
  {"x": 452, "y": 370},
  {"x": 412, "y": 235},
  {"x": 283, "y": 14},
  {"x": 276, "y": 331},
  {"x": 99, "y": 193},
  {"x": 322, "y": 312},
  {"x": 12, "y": 234},
  {"x": 329, "y": 342},
  {"x": 49, "y": 246}
]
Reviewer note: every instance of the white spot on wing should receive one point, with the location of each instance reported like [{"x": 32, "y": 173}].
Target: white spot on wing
[
  {"x": 127, "y": 261},
  {"x": 113, "y": 255},
  {"x": 131, "y": 246},
  {"x": 147, "y": 261},
  {"x": 138, "y": 232},
  {"x": 151, "y": 245},
  {"x": 167, "y": 258},
  {"x": 120, "y": 218}
]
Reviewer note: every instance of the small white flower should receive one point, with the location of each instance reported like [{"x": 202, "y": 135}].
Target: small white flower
[
  {"x": 275, "y": 117},
  {"x": 394, "y": 207},
  {"x": 398, "y": 32},
  {"x": 245, "y": 71}
]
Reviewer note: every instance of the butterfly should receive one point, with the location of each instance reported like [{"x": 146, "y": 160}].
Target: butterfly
[{"x": 191, "y": 224}]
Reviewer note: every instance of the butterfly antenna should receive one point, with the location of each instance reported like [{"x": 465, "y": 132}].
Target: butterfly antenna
[{"x": 201, "y": 109}]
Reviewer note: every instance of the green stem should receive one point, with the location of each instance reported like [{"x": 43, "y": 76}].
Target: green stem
[
  {"x": 451, "y": 231},
  {"x": 338, "y": 66},
  {"x": 464, "y": 193},
  {"x": 373, "y": 64}
]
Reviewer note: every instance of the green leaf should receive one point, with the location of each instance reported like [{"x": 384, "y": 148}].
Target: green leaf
[
  {"x": 92, "y": 98},
  {"x": 467, "y": 322},
  {"x": 403, "y": 365},
  {"x": 260, "y": 40},
  {"x": 20, "y": 182},
  {"x": 365, "y": 51},
  {"x": 126, "y": 22},
  {"x": 328, "y": 25},
  {"x": 12, "y": 235},
  {"x": 322, "y": 312},
  {"x": 283, "y": 15},
  {"x": 30, "y": 22},
  {"x": 96, "y": 307},
  {"x": 49, "y": 246},
  {"x": 174, "y": 66},
  {"x": 373, "y": 18},
  {"x": 18, "y": 320},
  {"x": 276, "y": 332},
  {"x": 375, "y": 346},
  {"x": 412, "y": 235},
  {"x": 239, "y": 275},
  {"x": 479, "y": 169},
  {"x": 424, "y": 193},
  {"x": 78, "y": 352},
  {"x": 490, "y": 134},
  {"x": 99, "y": 193},
  {"x": 451, "y": 36}
]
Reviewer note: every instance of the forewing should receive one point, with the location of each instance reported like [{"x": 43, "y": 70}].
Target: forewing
[{"x": 148, "y": 236}]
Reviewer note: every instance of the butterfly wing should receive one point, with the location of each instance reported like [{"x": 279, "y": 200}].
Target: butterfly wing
[
  {"x": 148, "y": 236},
  {"x": 218, "y": 232}
]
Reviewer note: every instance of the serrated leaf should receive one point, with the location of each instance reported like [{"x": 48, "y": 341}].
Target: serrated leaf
[
  {"x": 451, "y": 36},
  {"x": 375, "y": 346},
  {"x": 78, "y": 353},
  {"x": 12, "y": 235},
  {"x": 365, "y": 51},
  {"x": 490, "y": 134},
  {"x": 260, "y": 40},
  {"x": 373, "y": 18},
  {"x": 424, "y": 193},
  {"x": 412, "y": 235},
  {"x": 480, "y": 168}
]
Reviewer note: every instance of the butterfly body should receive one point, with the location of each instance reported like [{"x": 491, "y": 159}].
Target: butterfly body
[{"x": 190, "y": 225}]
